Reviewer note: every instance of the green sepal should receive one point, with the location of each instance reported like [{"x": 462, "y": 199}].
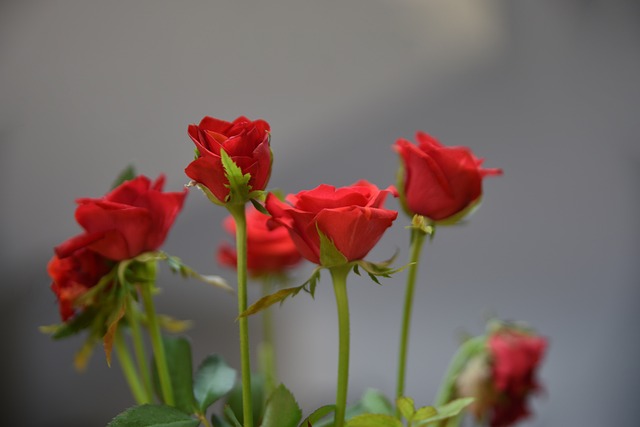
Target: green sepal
[
  {"x": 127, "y": 174},
  {"x": 379, "y": 269},
  {"x": 445, "y": 411},
  {"x": 209, "y": 195},
  {"x": 281, "y": 410},
  {"x": 460, "y": 216},
  {"x": 317, "y": 415},
  {"x": 423, "y": 225},
  {"x": 213, "y": 379},
  {"x": 74, "y": 326},
  {"x": 153, "y": 416},
  {"x": 374, "y": 420},
  {"x": 259, "y": 207},
  {"x": 178, "y": 355},
  {"x": 330, "y": 256},
  {"x": 239, "y": 188},
  {"x": 281, "y": 295}
]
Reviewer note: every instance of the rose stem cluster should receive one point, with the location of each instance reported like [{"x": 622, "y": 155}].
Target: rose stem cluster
[
  {"x": 103, "y": 268},
  {"x": 270, "y": 253},
  {"x": 233, "y": 166},
  {"x": 336, "y": 228},
  {"x": 438, "y": 185}
]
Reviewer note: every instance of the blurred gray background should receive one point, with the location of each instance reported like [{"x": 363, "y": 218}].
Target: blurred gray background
[{"x": 548, "y": 90}]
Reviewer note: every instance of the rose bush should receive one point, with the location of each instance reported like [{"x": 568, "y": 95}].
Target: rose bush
[
  {"x": 438, "y": 182},
  {"x": 502, "y": 378},
  {"x": 269, "y": 250},
  {"x": 245, "y": 141},
  {"x": 133, "y": 218},
  {"x": 352, "y": 217},
  {"x": 73, "y": 276}
]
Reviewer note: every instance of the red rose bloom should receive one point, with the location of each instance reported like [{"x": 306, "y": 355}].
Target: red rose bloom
[
  {"x": 73, "y": 276},
  {"x": 269, "y": 251},
  {"x": 439, "y": 182},
  {"x": 133, "y": 218},
  {"x": 245, "y": 141},
  {"x": 353, "y": 218},
  {"x": 515, "y": 357},
  {"x": 502, "y": 379}
]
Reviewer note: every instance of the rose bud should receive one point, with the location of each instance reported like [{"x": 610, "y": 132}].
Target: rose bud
[
  {"x": 441, "y": 183},
  {"x": 270, "y": 251},
  {"x": 133, "y": 218},
  {"x": 246, "y": 142},
  {"x": 352, "y": 218}
]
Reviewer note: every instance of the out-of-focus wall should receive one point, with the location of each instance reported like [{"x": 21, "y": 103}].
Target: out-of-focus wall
[{"x": 546, "y": 90}]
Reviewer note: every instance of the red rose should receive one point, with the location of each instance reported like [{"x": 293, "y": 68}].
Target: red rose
[
  {"x": 133, "y": 218},
  {"x": 353, "y": 218},
  {"x": 503, "y": 378},
  {"x": 269, "y": 251},
  {"x": 439, "y": 182},
  {"x": 245, "y": 141},
  {"x": 515, "y": 357},
  {"x": 73, "y": 276}
]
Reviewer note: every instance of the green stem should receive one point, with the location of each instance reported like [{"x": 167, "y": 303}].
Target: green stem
[
  {"x": 267, "y": 346},
  {"x": 447, "y": 391},
  {"x": 138, "y": 347},
  {"x": 417, "y": 240},
  {"x": 467, "y": 350},
  {"x": 156, "y": 336},
  {"x": 339, "y": 275},
  {"x": 238, "y": 213},
  {"x": 129, "y": 370}
]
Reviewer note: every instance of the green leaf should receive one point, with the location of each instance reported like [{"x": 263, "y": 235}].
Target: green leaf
[
  {"x": 153, "y": 416},
  {"x": 127, "y": 174},
  {"x": 448, "y": 410},
  {"x": 234, "y": 399},
  {"x": 282, "y": 409},
  {"x": 217, "y": 421},
  {"x": 374, "y": 420},
  {"x": 213, "y": 379},
  {"x": 177, "y": 266},
  {"x": 330, "y": 256},
  {"x": 178, "y": 354},
  {"x": 269, "y": 300},
  {"x": 375, "y": 402},
  {"x": 371, "y": 402},
  {"x": 231, "y": 416},
  {"x": 317, "y": 415},
  {"x": 239, "y": 187},
  {"x": 424, "y": 413},
  {"x": 406, "y": 407}
]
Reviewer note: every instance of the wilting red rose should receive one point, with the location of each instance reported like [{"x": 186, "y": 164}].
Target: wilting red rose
[
  {"x": 133, "y": 218},
  {"x": 352, "y": 217},
  {"x": 439, "y": 182},
  {"x": 504, "y": 377},
  {"x": 73, "y": 276},
  {"x": 269, "y": 250},
  {"x": 245, "y": 141}
]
